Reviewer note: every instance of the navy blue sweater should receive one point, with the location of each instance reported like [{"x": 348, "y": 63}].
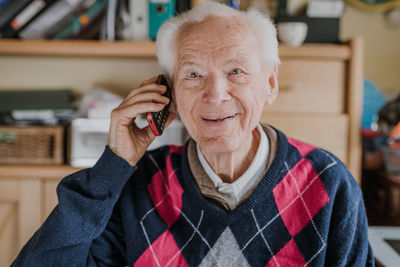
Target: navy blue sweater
[{"x": 306, "y": 211}]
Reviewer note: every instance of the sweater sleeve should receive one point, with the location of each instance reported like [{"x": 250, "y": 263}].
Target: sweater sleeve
[
  {"x": 79, "y": 229},
  {"x": 348, "y": 235}
]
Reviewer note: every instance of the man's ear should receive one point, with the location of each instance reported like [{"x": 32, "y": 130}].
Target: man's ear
[{"x": 272, "y": 90}]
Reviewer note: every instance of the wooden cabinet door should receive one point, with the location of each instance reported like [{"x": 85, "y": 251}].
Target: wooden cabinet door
[
  {"x": 20, "y": 215},
  {"x": 329, "y": 132},
  {"x": 50, "y": 199},
  {"x": 9, "y": 190}
]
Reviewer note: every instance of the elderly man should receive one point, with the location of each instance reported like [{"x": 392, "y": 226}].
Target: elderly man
[{"x": 237, "y": 194}]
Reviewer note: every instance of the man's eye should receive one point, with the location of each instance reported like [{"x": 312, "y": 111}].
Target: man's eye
[
  {"x": 193, "y": 74},
  {"x": 236, "y": 71}
]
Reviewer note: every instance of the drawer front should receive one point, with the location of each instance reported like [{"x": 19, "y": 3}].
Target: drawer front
[
  {"x": 328, "y": 132},
  {"x": 310, "y": 86}
]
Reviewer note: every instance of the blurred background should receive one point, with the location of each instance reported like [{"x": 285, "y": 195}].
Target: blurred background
[{"x": 65, "y": 64}]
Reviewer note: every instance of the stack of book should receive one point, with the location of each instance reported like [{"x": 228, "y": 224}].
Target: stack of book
[{"x": 86, "y": 19}]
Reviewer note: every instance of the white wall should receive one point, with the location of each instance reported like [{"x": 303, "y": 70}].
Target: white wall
[{"x": 382, "y": 46}]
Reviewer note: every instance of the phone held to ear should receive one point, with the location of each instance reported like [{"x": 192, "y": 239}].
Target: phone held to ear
[{"x": 157, "y": 119}]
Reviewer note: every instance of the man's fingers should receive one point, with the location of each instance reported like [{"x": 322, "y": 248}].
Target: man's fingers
[
  {"x": 145, "y": 132},
  {"x": 127, "y": 113},
  {"x": 152, "y": 87},
  {"x": 151, "y": 80},
  {"x": 146, "y": 98}
]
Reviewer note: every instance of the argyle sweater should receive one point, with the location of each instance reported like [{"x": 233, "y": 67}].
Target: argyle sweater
[{"x": 306, "y": 211}]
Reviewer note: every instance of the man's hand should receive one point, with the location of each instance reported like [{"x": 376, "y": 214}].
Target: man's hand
[{"x": 126, "y": 139}]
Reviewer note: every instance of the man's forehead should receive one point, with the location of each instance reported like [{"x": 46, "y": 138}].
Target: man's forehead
[
  {"x": 216, "y": 38},
  {"x": 193, "y": 58}
]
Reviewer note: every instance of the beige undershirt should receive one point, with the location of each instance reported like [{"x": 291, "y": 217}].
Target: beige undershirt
[{"x": 205, "y": 184}]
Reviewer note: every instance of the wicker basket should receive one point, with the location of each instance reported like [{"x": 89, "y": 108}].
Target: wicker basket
[{"x": 31, "y": 145}]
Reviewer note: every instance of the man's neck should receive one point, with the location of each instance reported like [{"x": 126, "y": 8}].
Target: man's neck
[{"x": 230, "y": 166}]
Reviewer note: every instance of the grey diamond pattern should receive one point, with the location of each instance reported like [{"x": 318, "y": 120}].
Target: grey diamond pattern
[{"x": 225, "y": 252}]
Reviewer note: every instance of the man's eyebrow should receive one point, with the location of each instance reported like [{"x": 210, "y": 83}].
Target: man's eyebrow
[
  {"x": 188, "y": 62},
  {"x": 233, "y": 60}
]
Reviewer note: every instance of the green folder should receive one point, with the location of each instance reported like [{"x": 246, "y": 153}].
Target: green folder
[{"x": 58, "y": 99}]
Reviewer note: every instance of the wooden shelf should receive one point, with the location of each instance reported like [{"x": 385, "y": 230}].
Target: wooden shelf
[
  {"x": 77, "y": 48},
  {"x": 314, "y": 51},
  {"x": 141, "y": 49},
  {"x": 36, "y": 172}
]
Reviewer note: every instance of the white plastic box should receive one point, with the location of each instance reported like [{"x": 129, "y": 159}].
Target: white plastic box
[{"x": 90, "y": 136}]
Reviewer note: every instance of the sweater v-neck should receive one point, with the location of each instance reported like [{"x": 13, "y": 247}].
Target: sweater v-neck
[{"x": 262, "y": 190}]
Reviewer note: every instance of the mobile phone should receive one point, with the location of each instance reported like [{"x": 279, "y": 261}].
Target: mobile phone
[{"x": 157, "y": 119}]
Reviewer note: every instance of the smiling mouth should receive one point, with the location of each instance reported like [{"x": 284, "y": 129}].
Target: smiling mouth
[{"x": 218, "y": 118}]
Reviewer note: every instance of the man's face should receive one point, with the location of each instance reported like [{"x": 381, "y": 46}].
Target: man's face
[{"x": 221, "y": 83}]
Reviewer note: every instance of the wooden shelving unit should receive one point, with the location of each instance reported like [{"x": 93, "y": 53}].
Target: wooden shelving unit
[
  {"x": 52, "y": 172},
  {"x": 77, "y": 48},
  {"x": 312, "y": 51},
  {"x": 139, "y": 49}
]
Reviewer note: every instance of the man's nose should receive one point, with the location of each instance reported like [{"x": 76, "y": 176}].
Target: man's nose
[{"x": 216, "y": 89}]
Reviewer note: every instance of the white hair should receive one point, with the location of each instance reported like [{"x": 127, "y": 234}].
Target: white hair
[{"x": 262, "y": 27}]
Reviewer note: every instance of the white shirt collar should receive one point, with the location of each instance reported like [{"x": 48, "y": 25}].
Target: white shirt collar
[{"x": 236, "y": 190}]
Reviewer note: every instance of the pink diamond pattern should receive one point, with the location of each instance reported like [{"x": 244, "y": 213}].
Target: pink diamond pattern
[
  {"x": 288, "y": 256},
  {"x": 303, "y": 148},
  {"x": 163, "y": 252},
  {"x": 166, "y": 192},
  {"x": 299, "y": 196}
]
